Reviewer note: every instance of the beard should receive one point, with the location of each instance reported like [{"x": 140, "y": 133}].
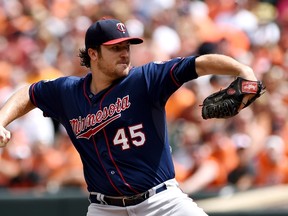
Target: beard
[{"x": 115, "y": 71}]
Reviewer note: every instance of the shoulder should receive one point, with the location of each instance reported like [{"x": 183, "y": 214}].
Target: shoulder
[
  {"x": 66, "y": 80},
  {"x": 60, "y": 84},
  {"x": 70, "y": 79},
  {"x": 151, "y": 67}
]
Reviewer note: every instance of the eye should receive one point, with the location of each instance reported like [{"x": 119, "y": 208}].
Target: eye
[
  {"x": 119, "y": 48},
  {"x": 116, "y": 48}
]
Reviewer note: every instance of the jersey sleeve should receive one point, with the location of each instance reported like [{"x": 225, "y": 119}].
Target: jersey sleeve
[
  {"x": 164, "y": 78},
  {"x": 48, "y": 96},
  {"x": 184, "y": 70}
]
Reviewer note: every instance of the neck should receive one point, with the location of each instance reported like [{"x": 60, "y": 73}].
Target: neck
[{"x": 98, "y": 84}]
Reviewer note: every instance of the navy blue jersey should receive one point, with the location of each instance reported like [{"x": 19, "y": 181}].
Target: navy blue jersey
[{"x": 121, "y": 132}]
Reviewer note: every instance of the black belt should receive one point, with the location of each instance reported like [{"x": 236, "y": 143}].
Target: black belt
[{"x": 125, "y": 201}]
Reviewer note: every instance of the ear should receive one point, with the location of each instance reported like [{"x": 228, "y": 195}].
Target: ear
[{"x": 93, "y": 54}]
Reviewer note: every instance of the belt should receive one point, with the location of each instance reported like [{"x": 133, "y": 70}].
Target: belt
[{"x": 124, "y": 200}]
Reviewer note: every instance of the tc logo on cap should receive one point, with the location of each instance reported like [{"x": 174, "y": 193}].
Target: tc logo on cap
[{"x": 121, "y": 27}]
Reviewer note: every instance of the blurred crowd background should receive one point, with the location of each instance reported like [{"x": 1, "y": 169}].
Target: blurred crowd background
[{"x": 40, "y": 39}]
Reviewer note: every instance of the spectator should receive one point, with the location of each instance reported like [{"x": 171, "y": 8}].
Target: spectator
[
  {"x": 242, "y": 176},
  {"x": 272, "y": 163},
  {"x": 211, "y": 169}
]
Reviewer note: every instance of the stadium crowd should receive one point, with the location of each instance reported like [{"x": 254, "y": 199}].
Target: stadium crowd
[{"x": 40, "y": 39}]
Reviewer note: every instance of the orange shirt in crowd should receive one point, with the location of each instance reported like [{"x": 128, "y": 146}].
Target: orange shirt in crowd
[{"x": 269, "y": 173}]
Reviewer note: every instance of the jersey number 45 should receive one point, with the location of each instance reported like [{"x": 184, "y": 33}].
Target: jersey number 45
[{"x": 136, "y": 137}]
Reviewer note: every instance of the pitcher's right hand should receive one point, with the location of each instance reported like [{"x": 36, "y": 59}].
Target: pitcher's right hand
[{"x": 5, "y": 136}]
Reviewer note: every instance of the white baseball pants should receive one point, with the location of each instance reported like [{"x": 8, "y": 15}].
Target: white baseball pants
[{"x": 171, "y": 202}]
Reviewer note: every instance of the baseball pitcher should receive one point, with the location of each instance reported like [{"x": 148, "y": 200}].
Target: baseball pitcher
[{"x": 115, "y": 117}]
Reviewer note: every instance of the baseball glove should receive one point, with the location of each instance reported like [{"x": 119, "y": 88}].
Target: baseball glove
[{"x": 225, "y": 103}]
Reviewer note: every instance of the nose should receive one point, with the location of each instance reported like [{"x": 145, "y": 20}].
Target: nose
[{"x": 125, "y": 52}]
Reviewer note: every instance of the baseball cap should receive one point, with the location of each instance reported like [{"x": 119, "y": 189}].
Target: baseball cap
[{"x": 108, "y": 32}]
